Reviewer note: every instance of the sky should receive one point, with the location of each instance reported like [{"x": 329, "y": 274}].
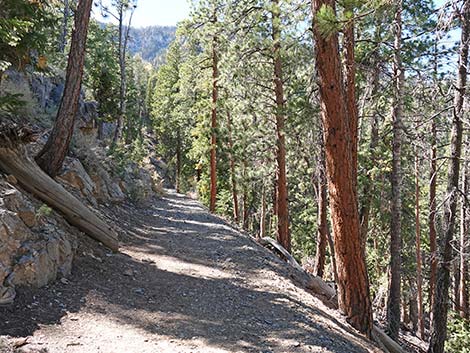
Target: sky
[{"x": 157, "y": 12}]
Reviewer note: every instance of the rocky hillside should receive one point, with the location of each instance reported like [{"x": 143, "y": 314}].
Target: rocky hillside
[
  {"x": 151, "y": 42},
  {"x": 37, "y": 245}
]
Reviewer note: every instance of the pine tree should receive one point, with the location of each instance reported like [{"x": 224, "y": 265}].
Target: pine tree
[{"x": 53, "y": 154}]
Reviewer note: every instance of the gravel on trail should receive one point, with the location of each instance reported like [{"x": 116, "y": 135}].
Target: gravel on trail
[{"x": 184, "y": 281}]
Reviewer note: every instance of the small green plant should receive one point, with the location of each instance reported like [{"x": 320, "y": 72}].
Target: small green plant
[{"x": 43, "y": 212}]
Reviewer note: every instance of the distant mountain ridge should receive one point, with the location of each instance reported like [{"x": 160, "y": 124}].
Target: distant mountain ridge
[{"x": 151, "y": 42}]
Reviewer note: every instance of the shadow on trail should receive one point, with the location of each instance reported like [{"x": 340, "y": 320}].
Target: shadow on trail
[{"x": 221, "y": 311}]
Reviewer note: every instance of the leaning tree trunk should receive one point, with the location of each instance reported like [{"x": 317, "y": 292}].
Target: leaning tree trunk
[
  {"x": 283, "y": 235},
  {"x": 52, "y": 156},
  {"x": 441, "y": 303},
  {"x": 15, "y": 161},
  {"x": 353, "y": 283},
  {"x": 394, "y": 291}
]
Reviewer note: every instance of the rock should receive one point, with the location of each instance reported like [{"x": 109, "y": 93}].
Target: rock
[
  {"x": 31, "y": 253},
  {"x": 106, "y": 188},
  {"x": 7, "y": 295},
  {"x": 13, "y": 200},
  {"x": 75, "y": 175},
  {"x": 11, "y": 179}
]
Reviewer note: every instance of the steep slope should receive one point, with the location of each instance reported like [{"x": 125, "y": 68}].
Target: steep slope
[
  {"x": 151, "y": 42},
  {"x": 186, "y": 281}
]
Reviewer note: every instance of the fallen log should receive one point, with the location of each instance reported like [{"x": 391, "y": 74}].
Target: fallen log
[
  {"x": 327, "y": 294},
  {"x": 313, "y": 283},
  {"x": 15, "y": 161}
]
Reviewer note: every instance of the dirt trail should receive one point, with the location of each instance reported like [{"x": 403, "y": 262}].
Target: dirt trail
[{"x": 185, "y": 282}]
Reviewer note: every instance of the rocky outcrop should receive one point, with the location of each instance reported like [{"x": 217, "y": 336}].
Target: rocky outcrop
[
  {"x": 75, "y": 176},
  {"x": 36, "y": 245}
]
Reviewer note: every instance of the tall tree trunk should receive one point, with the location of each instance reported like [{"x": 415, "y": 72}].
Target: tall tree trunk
[
  {"x": 178, "y": 161},
  {"x": 65, "y": 24},
  {"x": 236, "y": 212},
  {"x": 283, "y": 235},
  {"x": 441, "y": 303},
  {"x": 350, "y": 84},
  {"x": 419, "y": 276},
  {"x": 393, "y": 302},
  {"x": 53, "y": 154},
  {"x": 456, "y": 281},
  {"x": 262, "y": 222},
  {"x": 353, "y": 283},
  {"x": 464, "y": 235},
  {"x": 368, "y": 186},
  {"x": 322, "y": 219},
  {"x": 123, "y": 40},
  {"x": 245, "y": 196},
  {"x": 213, "y": 158},
  {"x": 432, "y": 214},
  {"x": 122, "y": 73}
]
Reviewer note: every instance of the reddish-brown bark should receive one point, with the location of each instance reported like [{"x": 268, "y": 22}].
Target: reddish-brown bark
[
  {"x": 236, "y": 212},
  {"x": 283, "y": 235},
  {"x": 350, "y": 84},
  {"x": 322, "y": 219},
  {"x": 353, "y": 284},
  {"x": 53, "y": 154}
]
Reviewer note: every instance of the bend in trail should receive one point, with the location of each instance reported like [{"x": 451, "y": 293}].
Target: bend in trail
[{"x": 186, "y": 281}]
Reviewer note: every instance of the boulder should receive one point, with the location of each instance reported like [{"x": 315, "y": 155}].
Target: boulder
[
  {"x": 75, "y": 176},
  {"x": 33, "y": 250}
]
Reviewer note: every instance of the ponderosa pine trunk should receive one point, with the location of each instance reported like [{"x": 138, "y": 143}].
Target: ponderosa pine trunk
[
  {"x": 322, "y": 219},
  {"x": 419, "y": 275},
  {"x": 236, "y": 212},
  {"x": 350, "y": 84},
  {"x": 283, "y": 235},
  {"x": 262, "y": 222},
  {"x": 441, "y": 303},
  {"x": 215, "y": 93},
  {"x": 394, "y": 290},
  {"x": 353, "y": 283},
  {"x": 52, "y": 156}
]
